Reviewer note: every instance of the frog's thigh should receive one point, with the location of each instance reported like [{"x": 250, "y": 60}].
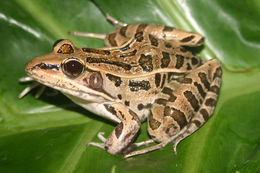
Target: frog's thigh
[
  {"x": 125, "y": 132},
  {"x": 161, "y": 124},
  {"x": 193, "y": 105}
]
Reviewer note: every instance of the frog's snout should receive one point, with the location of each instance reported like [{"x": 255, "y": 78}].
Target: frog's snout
[{"x": 37, "y": 64}]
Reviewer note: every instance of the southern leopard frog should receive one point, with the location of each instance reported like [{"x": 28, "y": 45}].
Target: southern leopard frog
[{"x": 145, "y": 72}]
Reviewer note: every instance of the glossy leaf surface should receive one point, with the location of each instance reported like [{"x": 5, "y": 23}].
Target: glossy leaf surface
[{"x": 50, "y": 134}]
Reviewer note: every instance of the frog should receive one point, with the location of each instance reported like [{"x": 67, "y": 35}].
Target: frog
[{"x": 145, "y": 72}]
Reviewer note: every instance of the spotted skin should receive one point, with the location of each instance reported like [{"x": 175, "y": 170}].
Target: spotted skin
[
  {"x": 185, "y": 114},
  {"x": 143, "y": 73}
]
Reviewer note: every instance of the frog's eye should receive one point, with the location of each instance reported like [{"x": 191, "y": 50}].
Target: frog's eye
[
  {"x": 66, "y": 49},
  {"x": 95, "y": 80},
  {"x": 63, "y": 46},
  {"x": 72, "y": 67}
]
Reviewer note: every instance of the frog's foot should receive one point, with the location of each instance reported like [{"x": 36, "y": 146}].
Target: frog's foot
[
  {"x": 115, "y": 22},
  {"x": 146, "y": 150},
  {"x": 138, "y": 144},
  {"x": 133, "y": 146},
  {"x": 31, "y": 87},
  {"x": 97, "y": 144}
]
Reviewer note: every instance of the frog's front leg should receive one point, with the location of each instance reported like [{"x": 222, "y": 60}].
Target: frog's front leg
[
  {"x": 124, "y": 133},
  {"x": 183, "y": 106}
]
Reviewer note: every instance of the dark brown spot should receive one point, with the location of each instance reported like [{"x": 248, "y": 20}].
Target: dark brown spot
[
  {"x": 163, "y": 80},
  {"x": 210, "y": 102},
  {"x": 111, "y": 39},
  {"x": 186, "y": 39},
  {"x": 66, "y": 49},
  {"x": 197, "y": 123},
  {"x": 167, "y": 44},
  {"x": 116, "y": 80},
  {"x": 119, "y": 96},
  {"x": 139, "y": 36},
  {"x": 146, "y": 62},
  {"x": 140, "y": 106},
  {"x": 128, "y": 135},
  {"x": 110, "y": 109},
  {"x": 204, "y": 80},
  {"x": 134, "y": 116},
  {"x": 179, "y": 117},
  {"x": 194, "y": 61},
  {"x": 188, "y": 66},
  {"x": 96, "y": 51},
  {"x": 157, "y": 79},
  {"x": 184, "y": 80},
  {"x": 192, "y": 100},
  {"x": 167, "y": 29},
  {"x": 154, "y": 124},
  {"x": 139, "y": 85},
  {"x": 165, "y": 61},
  {"x": 127, "y": 103},
  {"x": 153, "y": 40},
  {"x": 108, "y": 61},
  {"x": 161, "y": 101},
  {"x": 200, "y": 89},
  {"x": 46, "y": 66},
  {"x": 214, "y": 89},
  {"x": 179, "y": 61},
  {"x": 123, "y": 30},
  {"x": 119, "y": 129},
  {"x": 120, "y": 113},
  {"x": 169, "y": 92},
  {"x": 141, "y": 27},
  {"x": 205, "y": 114}
]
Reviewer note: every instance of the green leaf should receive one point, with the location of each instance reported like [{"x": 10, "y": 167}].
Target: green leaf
[{"x": 50, "y": 134}]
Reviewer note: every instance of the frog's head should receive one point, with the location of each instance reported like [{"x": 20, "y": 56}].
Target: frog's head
[{"x": 64, "y": 69}]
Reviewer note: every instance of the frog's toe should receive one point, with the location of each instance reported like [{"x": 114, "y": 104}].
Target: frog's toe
[
  {"x": 100, "y": 136},
  {"x": 96, "y": 144}
]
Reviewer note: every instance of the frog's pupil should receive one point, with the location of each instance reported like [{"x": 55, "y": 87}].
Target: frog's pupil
[{"x": 73, "y": 68}]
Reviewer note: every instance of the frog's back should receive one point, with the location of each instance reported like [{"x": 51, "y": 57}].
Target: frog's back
[{"x": 140, "y": 49}]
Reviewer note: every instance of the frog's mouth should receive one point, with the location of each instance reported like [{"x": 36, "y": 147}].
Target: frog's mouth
[{"x": 51, "y": 75}]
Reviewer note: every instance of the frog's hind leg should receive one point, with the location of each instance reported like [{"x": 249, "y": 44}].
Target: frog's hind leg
[{"x": 171, "y": 118}]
